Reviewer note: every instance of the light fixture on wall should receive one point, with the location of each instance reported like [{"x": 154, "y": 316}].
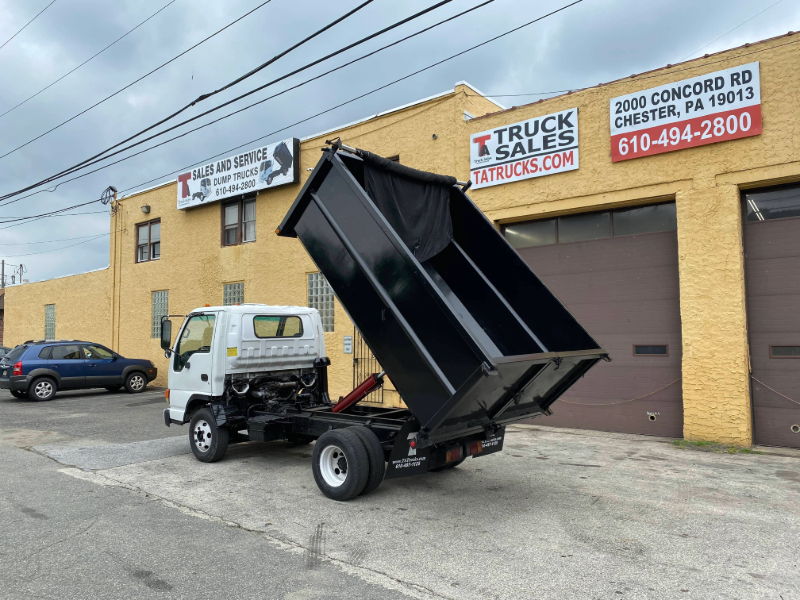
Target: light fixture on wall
[
  {"x": 146, "y": 209},
  {"x": 435, "y": 136}
]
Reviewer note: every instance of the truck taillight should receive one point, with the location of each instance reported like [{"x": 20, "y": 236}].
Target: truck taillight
[
  {"x": 166, "y": 394},
  {"x": 476, "y": 448},
  {"x": 17, "y": 369}
]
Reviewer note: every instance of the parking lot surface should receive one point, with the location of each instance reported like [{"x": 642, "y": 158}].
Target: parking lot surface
[{"x": 557, "y": 514}]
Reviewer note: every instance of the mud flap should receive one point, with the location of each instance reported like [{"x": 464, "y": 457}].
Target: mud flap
[{"x": 406, "y": 459}]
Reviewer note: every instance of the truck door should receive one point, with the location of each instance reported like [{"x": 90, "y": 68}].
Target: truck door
[{"x": 190, "y": 367}]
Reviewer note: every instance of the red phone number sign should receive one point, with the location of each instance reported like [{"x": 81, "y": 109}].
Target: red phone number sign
[{"x": 717, "y": 107}]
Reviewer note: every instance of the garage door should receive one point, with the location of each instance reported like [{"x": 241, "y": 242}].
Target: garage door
[
  {"x": 772, "y": 275},
  {"x": 617, "y": 272}
]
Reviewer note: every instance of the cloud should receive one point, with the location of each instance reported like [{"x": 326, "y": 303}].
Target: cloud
[{"x": 595, "y": 41}]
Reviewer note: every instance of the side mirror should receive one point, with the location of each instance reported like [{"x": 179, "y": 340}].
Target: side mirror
[{"x": 166, "y": 334}]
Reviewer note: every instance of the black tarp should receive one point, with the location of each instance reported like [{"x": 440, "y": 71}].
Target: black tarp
[{"x": 415, "y": 203}]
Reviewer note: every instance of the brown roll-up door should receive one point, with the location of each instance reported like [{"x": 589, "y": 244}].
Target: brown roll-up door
[
  {"x": 772, "y": 275},
  {"x": 624, "y": 290}
]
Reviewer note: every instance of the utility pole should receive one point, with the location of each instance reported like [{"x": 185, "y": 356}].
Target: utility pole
[{"x": 2, "y": 274}]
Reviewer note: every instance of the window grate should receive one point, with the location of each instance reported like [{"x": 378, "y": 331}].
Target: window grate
[
  {"x": 233, "y": 293},
  {"x": 160, "y": 309},
  {"x": 49, "y": 321},
  {"x": 320, "y": 296}
]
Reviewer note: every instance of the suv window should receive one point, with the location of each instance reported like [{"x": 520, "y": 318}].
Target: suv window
[
  {"x": 45, "y": 353},
  {"x": 196, "y": 337},
  {"x": 15, "y": 354},
  {"x": 270, "y": 327},
  {"x": 69, "y": 352},
  {"x": 97, "y": 353}
]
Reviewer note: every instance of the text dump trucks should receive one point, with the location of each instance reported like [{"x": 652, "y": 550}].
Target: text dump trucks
[{"x": 470, "y": 337}]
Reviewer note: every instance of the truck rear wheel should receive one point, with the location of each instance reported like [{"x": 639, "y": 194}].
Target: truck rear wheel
[
  {"x": 340, "y": 464},
  {"x": 209, "y": 442},
  {"x": 377, "y": 460}
]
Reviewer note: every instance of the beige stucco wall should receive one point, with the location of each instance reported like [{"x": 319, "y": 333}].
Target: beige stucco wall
[
  {"x": 194, "y": 266},
  {"x": 705, "y": 182},
  {"x": 83, "y": 308}
]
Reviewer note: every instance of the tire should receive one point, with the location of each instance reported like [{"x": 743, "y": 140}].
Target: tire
[
  {"x": 209, "y": 442},
  {"x": 18, "y": 394},
  {"x": 136, "y": 382},
  {"x": 377, "y": 460},
  {"x": 340, "y": 464},
  {"x": 448, "y": 466},
  {"x": 42, "y": 389},
  {"x": 113, "y": 388}
]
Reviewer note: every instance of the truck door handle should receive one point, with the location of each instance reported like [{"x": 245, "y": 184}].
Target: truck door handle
[{"x": 204, "y": 377}]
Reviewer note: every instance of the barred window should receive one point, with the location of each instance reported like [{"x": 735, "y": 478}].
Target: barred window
[
  {"x": 320, "y": 296},
  {"x": 49, "y": 321},
  {"x": 160, "y": 309},
  {"x": 232, "y": 293}
]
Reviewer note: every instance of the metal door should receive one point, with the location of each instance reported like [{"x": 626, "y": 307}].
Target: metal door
[
  {"x": 68, "y": 362},
  {"x": 624, "y": 290},
  {"x": 364, "y": 365},
  {"x": 190, "y": 365},
  {"x": 102, "y": 367},
  {"x": 772, "y": 275}
]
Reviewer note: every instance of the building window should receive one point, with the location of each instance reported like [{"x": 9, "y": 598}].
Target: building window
[
  {"x": 320, "y": 296},
  {"x": 49, "y": 321},
  {"x": 238, "y": 222},
  {"x": 651, "y": 350},
  {"x": 232, "y": 293},
  {"x": 592, "y": 226},
  {"x": 160, "y": 309},
  {"x": 148, "y": 241}
]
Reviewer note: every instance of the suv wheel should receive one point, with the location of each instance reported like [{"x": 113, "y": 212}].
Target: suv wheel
[
  {"x": 42, "y": 389},
  {"x": 18, "y": 394},
  {"x": 135, "y": 382}
]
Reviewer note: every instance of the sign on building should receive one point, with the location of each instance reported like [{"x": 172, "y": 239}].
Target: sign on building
[
  {"x": 720, "y": 106},
  {"x": 264, "y": 167},
  {"x": 533, "y": 148}
]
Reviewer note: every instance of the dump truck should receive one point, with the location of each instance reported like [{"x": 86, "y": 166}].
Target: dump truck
[{"x": 471, "y": 339}]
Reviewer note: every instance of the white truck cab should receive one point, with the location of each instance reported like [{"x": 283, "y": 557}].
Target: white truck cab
[{"x": 219, "y": 345}]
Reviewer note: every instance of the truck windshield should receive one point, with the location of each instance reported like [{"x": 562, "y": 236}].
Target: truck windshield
[{"x": 196, "y": 337}]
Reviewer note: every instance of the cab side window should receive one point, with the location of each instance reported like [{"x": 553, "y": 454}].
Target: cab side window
[
  {"x": 196, "y": 337},
  {"x": 272, "y": 327}
]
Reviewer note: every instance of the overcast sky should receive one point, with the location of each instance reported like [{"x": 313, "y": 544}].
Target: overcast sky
[{"x": 594, "y": 41}]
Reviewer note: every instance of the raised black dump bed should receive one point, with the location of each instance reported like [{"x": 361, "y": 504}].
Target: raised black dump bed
[{"x": 469, "y": 336}]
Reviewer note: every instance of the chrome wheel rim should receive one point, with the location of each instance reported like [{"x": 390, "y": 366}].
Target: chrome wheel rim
[
  {"x": 43, "y": 389},
  {"x": 333, "y": 466},
  {"x": 137, "y": 383},
  {"x": 202, "y": 436}
]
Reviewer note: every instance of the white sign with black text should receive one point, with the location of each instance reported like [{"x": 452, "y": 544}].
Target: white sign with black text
[
  {"x": 265, "y": 167},
  {"x": 716, "y": 107},
  {"x": 533, "y": 148}
]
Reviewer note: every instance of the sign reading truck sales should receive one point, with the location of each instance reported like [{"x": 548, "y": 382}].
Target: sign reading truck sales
[
  {"x": 533, "y": 148},
  {"x": 260, "y": 168},
  {"x": 717, "y": 107}
]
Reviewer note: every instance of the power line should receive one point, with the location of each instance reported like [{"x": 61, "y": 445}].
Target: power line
[
  {"x": 26, "y": 24},
  {"x": 57, "y": 249},
  {"x": 99, "y": 157},
  {"x": 729, "y": 31},
  {"x": 327, "y": 110},
  {"x": 81, "y": 237},
  {"x": 87, "y": 60},
  {"x": 174, "y": 58},
  {"x": 66, "y": 214}
]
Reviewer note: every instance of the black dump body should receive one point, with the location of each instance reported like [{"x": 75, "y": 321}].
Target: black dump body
[{"x": 468, "y": 334}]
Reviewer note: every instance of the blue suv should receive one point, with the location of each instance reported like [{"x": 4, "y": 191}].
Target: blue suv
[{"x": 39, "y": 368}]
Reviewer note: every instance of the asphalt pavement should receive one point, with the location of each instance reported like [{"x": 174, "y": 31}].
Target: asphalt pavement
[{"x": 100, "y": 499}]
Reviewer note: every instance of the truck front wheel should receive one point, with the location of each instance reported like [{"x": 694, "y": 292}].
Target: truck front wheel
[
  {"x": 340, "y": 464},
  {"x": 209, "y": 442}
]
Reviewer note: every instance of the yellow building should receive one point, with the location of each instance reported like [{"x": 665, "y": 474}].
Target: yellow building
[{"x": 660, "y": 208}]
